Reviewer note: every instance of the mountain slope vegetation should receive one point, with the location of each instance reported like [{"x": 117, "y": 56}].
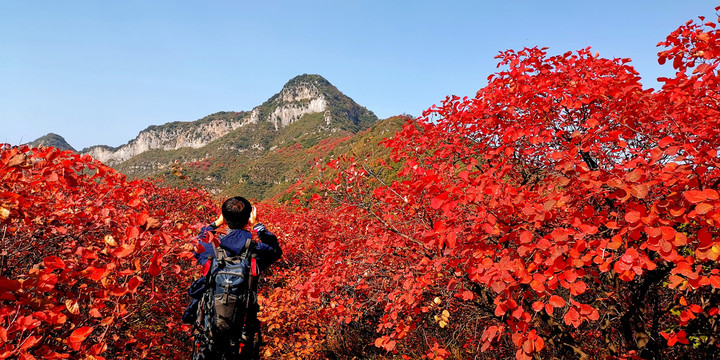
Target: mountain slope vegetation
[{"x": 264, "y": 157}]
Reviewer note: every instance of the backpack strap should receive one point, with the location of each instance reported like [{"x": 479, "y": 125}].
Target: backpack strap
[
  {"x": 247, "y": 246},
  {"x": 249, "y": 319},
  {"x": 220, "y": 255},
  {"x": 252, "y": 283}
]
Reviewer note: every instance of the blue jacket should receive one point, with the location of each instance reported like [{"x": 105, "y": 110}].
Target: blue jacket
[{"x": 267, "y": 250}]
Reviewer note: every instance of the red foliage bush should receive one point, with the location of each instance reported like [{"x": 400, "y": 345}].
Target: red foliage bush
[
  {"x": 92, "y": 264},
  {"x": 563, "y": 212}
]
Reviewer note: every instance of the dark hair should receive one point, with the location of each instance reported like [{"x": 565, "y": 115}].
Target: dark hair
[{"x": 236, "y": 212}]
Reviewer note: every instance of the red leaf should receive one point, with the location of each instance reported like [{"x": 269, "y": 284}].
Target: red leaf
[
  {"x": 467, "y": 295},
  {"x": 53, "y": 262},
  {"x": 538, "y": 306},
  {"x": 668, "y": 233},
  {"x": 527, "y": 346},
  {"x": 133, "y": 283},
  {"x": 465, "y": 175},
  {"x": 78, "y": 336},
  {"x": 29, "y": 342},
  {"x": 705, "y": 238},
  {"x": 526, "y": 237},
  {"x": 556, "y": 301},
  {"x": 664, "y": 142},
  {"x": 152, "y": 223},
  {"x": 141, "y": 218},
  {"x": 154, "y": 269},
  {"x": 572, "y": 317},
  {"x": 8, "y": 284},
  {"x": 52, "y": 177},
  {"x": 577, "y": 288},
  {"x": 703, "y": 208},
  {"x": 132, "y": 232},
  {"x": 639, "y": 191},
  {"x": 711, "y": 194},
  {"x": 537, "y": 286},
  {"x": 615, "y": 242},
  {"x": 124, "y": 251},
  {"x": 694, "y": 196},
  {"x": 632, "y": 216},
  {"x": 94, "y": 312},
  {"x": 118, "y": 291},
  {"x": 439, "y": 200}
]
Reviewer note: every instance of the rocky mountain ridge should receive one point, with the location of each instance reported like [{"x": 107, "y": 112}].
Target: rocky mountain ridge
[
  {"x": 302, "y": 95},
  {"x": 170, "y": 136},
  {"x": 259, "y": 152}
]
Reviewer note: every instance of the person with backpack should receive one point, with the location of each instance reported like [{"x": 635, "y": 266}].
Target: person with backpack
[{"x": 224, "y": 307}]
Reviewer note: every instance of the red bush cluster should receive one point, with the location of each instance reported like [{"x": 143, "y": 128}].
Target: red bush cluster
[
  {"x": 93, "y": 265},
  {"x": 203, "y": 165},
  {"x": 563, "y": 212}
]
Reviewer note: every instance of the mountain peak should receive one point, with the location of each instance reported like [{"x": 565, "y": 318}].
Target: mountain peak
[
  {"x": 52, "y": 140},
  {"x": 307, "y": 79},
  {"x": 305, "y": 87},
  {"x": 312, "y": 93}
]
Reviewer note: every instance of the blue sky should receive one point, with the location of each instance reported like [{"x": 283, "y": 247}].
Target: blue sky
[{"x": 99, "y": 72}]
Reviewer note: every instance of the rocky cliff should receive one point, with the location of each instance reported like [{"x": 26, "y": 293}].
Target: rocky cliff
[
  {"x": 302, "y": 95},
  {"x": 170, "y": 136}
]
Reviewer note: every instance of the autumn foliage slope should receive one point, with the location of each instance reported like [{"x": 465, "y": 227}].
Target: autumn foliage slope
[{"x": 563, "y": 212}]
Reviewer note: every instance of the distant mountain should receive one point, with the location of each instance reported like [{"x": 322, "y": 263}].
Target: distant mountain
[
  {"x": 302, "y": 96},
  {"x": 259, "y": 153},
  {"x": 52, "y": 140}
]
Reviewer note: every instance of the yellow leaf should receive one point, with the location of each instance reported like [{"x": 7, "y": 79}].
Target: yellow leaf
[
  {"x": 714, "y": 252},
  {"x": 110, "y": 240},
  {"x": 4, "y": 213},
  {"x": 72, "y": 306}
]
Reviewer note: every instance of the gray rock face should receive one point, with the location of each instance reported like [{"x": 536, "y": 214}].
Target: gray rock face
[{"x": 167, "y": 137}]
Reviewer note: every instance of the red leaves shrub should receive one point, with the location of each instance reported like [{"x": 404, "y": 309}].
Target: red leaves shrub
[
  {"x": 92, "y": 264},
  {"x": 564, "y": 211}
]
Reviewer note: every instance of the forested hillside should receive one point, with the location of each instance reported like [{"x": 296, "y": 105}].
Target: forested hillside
[{"x": 564, "y": 212}]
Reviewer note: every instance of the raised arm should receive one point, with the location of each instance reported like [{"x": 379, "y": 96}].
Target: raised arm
[{"x": 268, "y": 249}]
